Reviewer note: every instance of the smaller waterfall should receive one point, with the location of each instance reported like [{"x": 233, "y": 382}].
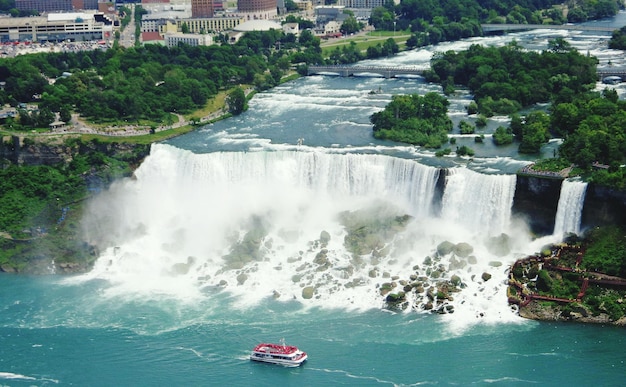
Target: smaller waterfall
[
  {"x": 478, "y": 201},
  {"x": 570, "y": 207}
]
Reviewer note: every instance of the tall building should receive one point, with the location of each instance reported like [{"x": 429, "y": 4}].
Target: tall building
[
  {"x": 201, "y": 8},
  {"x": 257, "y": 9},
  {"x": 55, "y": 5}
]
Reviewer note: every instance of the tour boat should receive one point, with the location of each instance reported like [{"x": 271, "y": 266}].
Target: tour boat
[{"x": 286, "y": 355}]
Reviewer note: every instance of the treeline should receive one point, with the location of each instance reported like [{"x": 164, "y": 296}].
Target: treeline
[
  {"x": 505, "y": 79},
  {"x": 434, "y": 21},
  {"x": 148, "y": 83}
]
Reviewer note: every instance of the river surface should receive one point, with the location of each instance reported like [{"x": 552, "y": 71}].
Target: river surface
[{"x": 213, "y": 244}]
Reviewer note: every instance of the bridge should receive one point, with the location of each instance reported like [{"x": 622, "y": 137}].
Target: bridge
[
  {"x": 348, "y": 71},
  {"x": 395, "y": 71},
  {"x": 574, "y": 27},
  {"x": 612, "y": 72}
]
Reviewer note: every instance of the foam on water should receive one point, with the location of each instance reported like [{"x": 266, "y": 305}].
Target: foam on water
[{"x": 263, "y": 225}]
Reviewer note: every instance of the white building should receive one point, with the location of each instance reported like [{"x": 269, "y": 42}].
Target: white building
[{"x": 173, "y": 39}]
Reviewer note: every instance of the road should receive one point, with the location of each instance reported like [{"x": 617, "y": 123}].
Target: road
[{"x": 127, "y": 35}]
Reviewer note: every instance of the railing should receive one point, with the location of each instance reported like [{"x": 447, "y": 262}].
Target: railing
[
  {"x": 574, "y": 27},
  {"x": 348, "y": 71}
]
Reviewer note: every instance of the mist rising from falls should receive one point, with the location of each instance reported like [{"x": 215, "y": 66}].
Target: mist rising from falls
[
  {"x": 288, "y": 225},
  {"x": 570, "y": 207}
]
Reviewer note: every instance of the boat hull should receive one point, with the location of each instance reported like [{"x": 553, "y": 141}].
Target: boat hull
[
  {"x": 280, "y": 354},
  {"x": 284, "y": 363}
]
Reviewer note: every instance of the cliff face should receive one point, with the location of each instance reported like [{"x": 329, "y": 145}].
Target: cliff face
[
  {"x": 603, "y": 206},
  {"x": 536, "y": 201},
  {"x": 18, "y": 152},
  {"x": 537, "y": 198}
]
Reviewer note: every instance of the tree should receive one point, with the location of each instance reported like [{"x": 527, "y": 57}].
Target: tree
[
  {"x": 502, "y": 136},
  {"x": 65, "y": 113},
  {"x": 291, "y": 6},
  {"x": 534, "y": 132},
  {"x": 351, "y": 25},
  {"x": 236, "y": 101}
]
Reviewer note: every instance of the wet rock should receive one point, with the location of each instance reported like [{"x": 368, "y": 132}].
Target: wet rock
[
  {"x": 324, "y": 238},
  {"x": 241, "y": 278},
  {"x": 463, "y": 249},
  {"x": 307, "y": 292},
  {"x": 500, "y": 245},
  {"x": 445, "y": 248},
  {"x": 486, "y": 276}
]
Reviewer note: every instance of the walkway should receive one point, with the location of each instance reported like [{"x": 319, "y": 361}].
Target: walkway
[
  {"x": 523, "y": 296},
  {"x": 574, "y": 27}
]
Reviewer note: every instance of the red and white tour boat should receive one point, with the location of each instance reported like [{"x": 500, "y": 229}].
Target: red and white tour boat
[{"x": 286, "y": 355}]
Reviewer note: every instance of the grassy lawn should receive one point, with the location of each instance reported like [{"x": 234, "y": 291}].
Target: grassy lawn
[
  {"x": 145, "y": 139},
  {"x": 363, "y": 41},
  {"x": 213, "y": 105}
]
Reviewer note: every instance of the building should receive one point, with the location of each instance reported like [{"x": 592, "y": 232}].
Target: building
[
  {"x": 56, "y": 27},
  {"x": 202, "y": 8},
  {"x": 197, "y": 26},
  {"x": 368, "y": 4},
  {"x": 174, "y": 39},
  {"x": 362, "y": 9},
  {"x": 257, "y": 9},
  {"x": 44, "y": 5},
  {"x": 55, "y": 5}
]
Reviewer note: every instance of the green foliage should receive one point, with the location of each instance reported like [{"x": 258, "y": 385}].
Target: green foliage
[
  {"x": 236, "y": 101},
  {"x": 534, "y": 132},
  {"x": 481, "y": 121},
  {"x": 607, "y": 251},
  {"x": 414, "y": 119},
  {"x": 502, "y": 136},
  {"x": 464, "y": 151},
  {"x": 504, "y": 79},
  {"x": 35, "y": 195},
  {"x": 472, "y": 108},
  {"x": 443, "y": 152},
  {"x": 618, "y": 39},
  {"x": 552, "y": 164},
  {"x": 466, "y": 127},
  {"x": 544, "y": 281}
]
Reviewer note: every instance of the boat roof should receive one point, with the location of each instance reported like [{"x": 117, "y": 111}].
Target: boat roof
[{"x": 275, "y": 348}]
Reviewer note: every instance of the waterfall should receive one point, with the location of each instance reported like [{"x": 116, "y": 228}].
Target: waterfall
[
  {"x": 274, "y": 224},
  {"x": 570, "y": 207},
  {"x": 478, "y": 201}
]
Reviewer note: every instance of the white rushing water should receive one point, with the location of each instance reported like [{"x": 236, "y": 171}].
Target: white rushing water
[
  {"x": 247, "y": 213},
  {"x": 261, "y": 225},
  {"x": 570, "y": 207}
]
